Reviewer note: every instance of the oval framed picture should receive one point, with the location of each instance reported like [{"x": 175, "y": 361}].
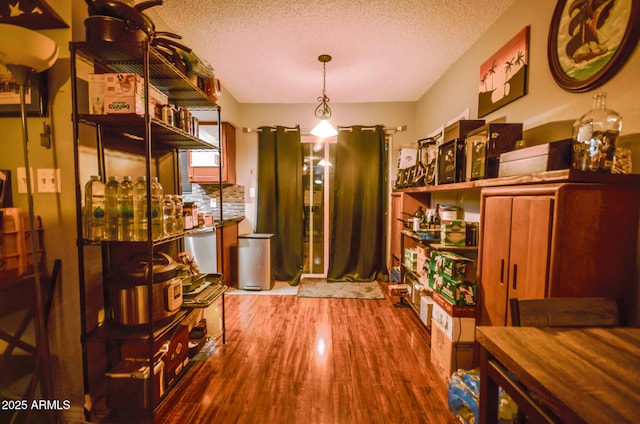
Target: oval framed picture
[{"x": 590, "y": 41}]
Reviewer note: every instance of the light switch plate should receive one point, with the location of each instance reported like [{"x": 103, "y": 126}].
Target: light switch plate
[
  {"x": 48, "y": 180},
  {"x": 22, "y": 180}
]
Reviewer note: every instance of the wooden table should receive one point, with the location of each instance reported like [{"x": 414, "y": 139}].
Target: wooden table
[{"x": 581, "y": 375}]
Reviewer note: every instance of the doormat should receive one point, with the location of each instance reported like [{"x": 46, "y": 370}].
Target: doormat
[
  {"x": 319, "y": 287},
  {"x": 279, "y": 288}
]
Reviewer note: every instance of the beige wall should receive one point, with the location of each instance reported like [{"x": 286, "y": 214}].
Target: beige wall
[{"x": 545, "y": 100}]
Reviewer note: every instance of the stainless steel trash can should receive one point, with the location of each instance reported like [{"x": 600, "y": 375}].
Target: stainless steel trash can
[{"x": 254, "y": 262}]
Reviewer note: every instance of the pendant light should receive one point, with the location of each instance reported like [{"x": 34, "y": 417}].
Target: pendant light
[{"x": 324, "y": 129}]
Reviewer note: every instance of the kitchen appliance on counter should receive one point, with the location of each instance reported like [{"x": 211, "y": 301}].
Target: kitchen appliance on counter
[
  {"x": 202, "y": 246},
  {"x": 129, "y": 291}
]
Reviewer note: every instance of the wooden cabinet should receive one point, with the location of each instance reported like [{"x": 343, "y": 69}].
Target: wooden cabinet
[
  {"x": 207, "y": 167},
  {"x": 556, "y": 240}
]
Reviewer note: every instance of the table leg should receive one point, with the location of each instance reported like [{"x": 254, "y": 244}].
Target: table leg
[{"x": 488, "y": 391}]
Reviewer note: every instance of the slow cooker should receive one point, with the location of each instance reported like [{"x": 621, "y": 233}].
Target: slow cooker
[{"x": 129, "y": 291}]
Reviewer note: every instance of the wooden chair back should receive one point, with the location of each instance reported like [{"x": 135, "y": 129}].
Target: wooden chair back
[{"x": 566, "y": 312}]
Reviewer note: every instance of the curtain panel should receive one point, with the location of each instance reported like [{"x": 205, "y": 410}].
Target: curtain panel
[
  {"x": 280, "y": 209},
  {"x": 358, "y": 228}
]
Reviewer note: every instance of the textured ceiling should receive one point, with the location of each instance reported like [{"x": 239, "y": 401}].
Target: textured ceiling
[{"x": 383, "y": 50}]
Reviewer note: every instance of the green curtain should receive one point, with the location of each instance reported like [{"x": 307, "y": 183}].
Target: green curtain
[
  {"x": 358, "y": 231},
  {"x": 280, "y": 208}
]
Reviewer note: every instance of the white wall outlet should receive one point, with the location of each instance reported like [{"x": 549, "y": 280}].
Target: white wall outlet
[
  {"x": 212, "y": 202},
  {"x": 252, "y": 192},
  {"x": 22, "y": 180},
  {"x": 48, "y": 180}
]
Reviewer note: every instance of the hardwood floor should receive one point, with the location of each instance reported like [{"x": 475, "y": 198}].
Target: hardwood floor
[{"x": 301, "y": 360}]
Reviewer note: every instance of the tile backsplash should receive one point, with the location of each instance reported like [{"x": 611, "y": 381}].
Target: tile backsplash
[{"x": 232, "y": 200}]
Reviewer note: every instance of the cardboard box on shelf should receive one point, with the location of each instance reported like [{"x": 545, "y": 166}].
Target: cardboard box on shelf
[
  {"x": 465, "y": 311},
  {"x": 457, "y": 329},
  {"x": 456, "y": 292},
  {"x": 124, "y": 93},
  {"x": 426, "y": 308},
  {"x": 455, "y": 266},
  {"x": 410, "y": 258},
  {"x": 447, "y": 356},
  {"x": 398, "y": 289},
  {"x": 96, "y": 94}
]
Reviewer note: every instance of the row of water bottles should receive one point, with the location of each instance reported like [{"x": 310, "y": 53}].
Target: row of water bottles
[{"x": 117, "y": 211}]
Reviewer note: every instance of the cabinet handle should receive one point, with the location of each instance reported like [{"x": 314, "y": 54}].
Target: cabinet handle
[
  {"x": 501, "y": 271},
  {"x": 515, "y": 276}
]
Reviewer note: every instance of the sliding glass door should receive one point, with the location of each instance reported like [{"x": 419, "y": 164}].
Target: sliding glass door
[{"x": 317, "y": 181}]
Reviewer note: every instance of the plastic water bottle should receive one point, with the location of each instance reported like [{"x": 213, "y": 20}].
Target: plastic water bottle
[
  {"x": 111, "y": 209},
  {"x": 140, "y": 222},
  {"x": 94, "y": 209},
  {"x": 125, "y": 209},
  {"x": 156, "y": 208},
  {"x": 168, "y": 215},
  {"x": 178, "y": 213}
]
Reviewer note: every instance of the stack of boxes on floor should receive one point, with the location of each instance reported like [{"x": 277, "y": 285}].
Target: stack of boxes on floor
[{"x": 452, "y": 279}]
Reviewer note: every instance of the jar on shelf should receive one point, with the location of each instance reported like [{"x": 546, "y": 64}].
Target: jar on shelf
[{"x": 594, "y": 137}]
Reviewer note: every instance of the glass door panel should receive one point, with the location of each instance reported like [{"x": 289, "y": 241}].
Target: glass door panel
[{"x": 316, "y": 176}]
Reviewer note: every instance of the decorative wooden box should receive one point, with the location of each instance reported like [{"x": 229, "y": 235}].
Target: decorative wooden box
[
  {"x": 486, "y": 144},
  {"x": 544, "y": 157}
]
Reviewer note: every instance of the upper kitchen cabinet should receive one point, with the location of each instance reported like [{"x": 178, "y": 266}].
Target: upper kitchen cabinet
[{"x": 214, "y": 166}]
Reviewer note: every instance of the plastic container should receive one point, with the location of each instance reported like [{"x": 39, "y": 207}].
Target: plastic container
[
  {"x": 140, "y": 223},
  {"x": 178, "y": 210},
  {"x": 157, "y": 195},
  {"x": 168, "y": 215},
  {"x": 111, "y": 209},
  {"x": 125, "y": 209},
  {"x": 94, "y": 209}
]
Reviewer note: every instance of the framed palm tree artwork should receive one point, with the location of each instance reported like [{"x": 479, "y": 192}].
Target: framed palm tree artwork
[
  {"x": 590, "y": 41},
  {"x": 503, "y": 77}
]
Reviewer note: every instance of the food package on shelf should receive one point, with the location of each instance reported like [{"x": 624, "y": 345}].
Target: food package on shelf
[
  {"x": 455, "y": 266},
  {"x": 124, "y": 93},
  {"x": 410, "y": 258},
  {"x": 456, "y": 292},
  {"x": 453, "y": 233}
]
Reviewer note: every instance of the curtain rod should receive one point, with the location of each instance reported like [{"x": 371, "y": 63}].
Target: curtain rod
[{"x": 388, "y": 130}]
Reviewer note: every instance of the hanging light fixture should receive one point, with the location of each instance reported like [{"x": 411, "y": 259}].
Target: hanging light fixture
[{"x": 324, "y": 129}]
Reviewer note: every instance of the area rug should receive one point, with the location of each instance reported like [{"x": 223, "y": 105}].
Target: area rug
[
  {"x": 279, "y": 288},
  {"x": 319, "y": 287}
]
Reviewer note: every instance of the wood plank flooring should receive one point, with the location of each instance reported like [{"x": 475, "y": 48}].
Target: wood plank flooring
[{"x": 301, "y": 360}]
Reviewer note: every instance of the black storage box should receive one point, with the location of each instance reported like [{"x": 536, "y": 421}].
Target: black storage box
[
  {"x": 451, "y": 163},
  {"x": 484, "y": 146},
  {"x": 452, "y": 153},
  {"x": 461, "y": 128}
]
